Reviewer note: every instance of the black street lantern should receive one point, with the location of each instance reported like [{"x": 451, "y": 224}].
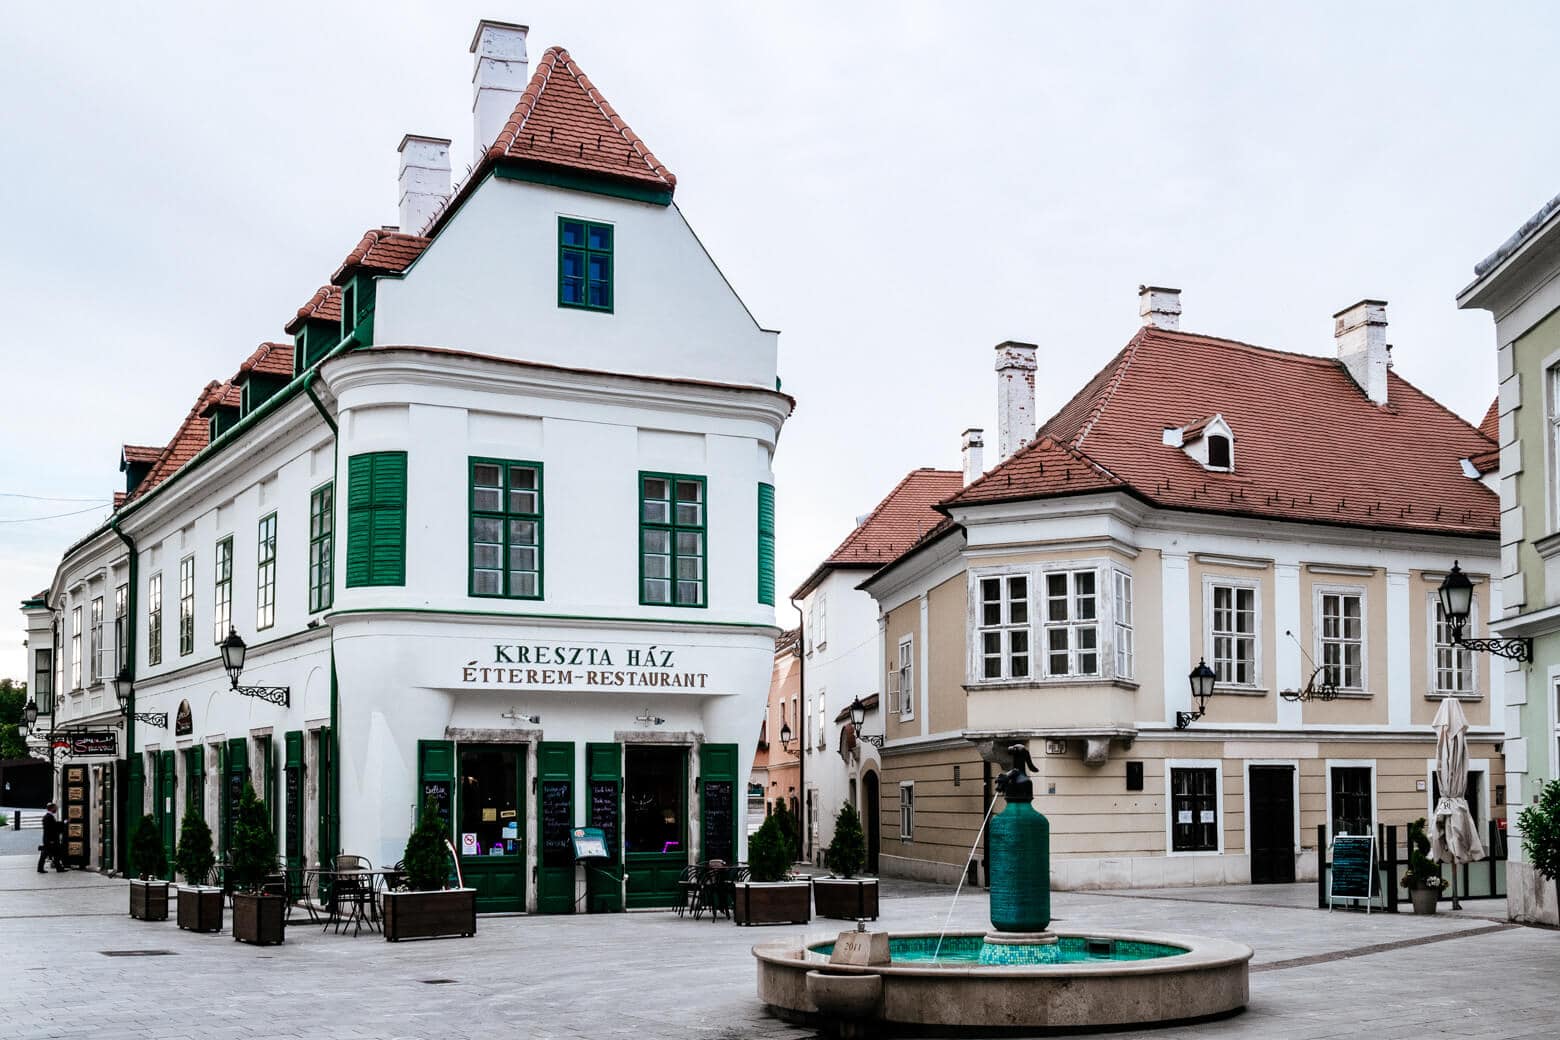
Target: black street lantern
[
  {"x": 858, "y": 714},
  {"x": 124, "y": 686},
  {"x": 30, "y": 714},
  {"x": 233, "y": 653},
  {"x": 1202, "y": 680},
  {"x": 1456, "y": 597},
  {"x": 785, "y": 735}
]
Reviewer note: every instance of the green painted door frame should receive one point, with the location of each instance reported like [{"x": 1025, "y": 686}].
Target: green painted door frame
[
  {"x": 291, "y": 838},
  {"x": 168, "y": 803},
  {"x": 135, "y": 805},
  {"x": 720, "y": 799},
  {"x": 554, "y": 826},
  {"x": 604, "y": 809}
]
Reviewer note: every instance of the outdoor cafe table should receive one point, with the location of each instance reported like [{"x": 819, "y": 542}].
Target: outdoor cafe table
[{"x": 373, "y": 879}]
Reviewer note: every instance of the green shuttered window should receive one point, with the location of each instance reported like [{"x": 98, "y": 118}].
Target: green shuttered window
[
  {"x": 766, "y": 544},
  {"x": 506, "y": 529},
  {"x": 322, "y": 543},
  {"x": 671, "y": 540},
  {"x": 376, "y": 519}
]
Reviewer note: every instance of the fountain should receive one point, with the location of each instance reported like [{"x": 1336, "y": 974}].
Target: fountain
[{"x": 1022, "y": 976}]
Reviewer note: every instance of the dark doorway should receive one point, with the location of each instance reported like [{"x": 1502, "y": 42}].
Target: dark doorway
[
  {"x": 1272, "y": 825},
  {"x": 872, "y": 811},
  {"x": 491, "y": 815},
  {"x": 1352, "y": 809},
  {"x": 655, "y": 823}
]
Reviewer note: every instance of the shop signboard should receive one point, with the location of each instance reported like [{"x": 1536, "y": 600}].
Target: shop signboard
[
  {"x": 718, "y": 827},
  {"x": 593, "y": 666},
  {"x": 183, "y": 722},
  {"x": 87, "y": 742},
  {"x": 557, "y": 823},
  {"x": 590, "y": 843}
]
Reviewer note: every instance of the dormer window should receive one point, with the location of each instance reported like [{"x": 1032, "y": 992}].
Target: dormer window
[
  {"x": 1218, "y": 452},
  {"x": 1209, "y": 442}
]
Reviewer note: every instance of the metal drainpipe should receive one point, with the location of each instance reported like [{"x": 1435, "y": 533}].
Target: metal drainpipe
[
  {"x": 121, "y": 803},
  {"x": 801, "y": 735},
  {"x": 334, "y": 814}
]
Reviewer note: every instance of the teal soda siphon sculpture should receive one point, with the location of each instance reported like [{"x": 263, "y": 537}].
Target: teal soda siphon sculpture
[{"x": 1020, "y": 854}]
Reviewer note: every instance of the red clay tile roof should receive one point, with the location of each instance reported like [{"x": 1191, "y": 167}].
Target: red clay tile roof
[
  {"x": 269, "y": 359},
  {"x": 194, "y": 434},
  {"x": 1490, "y": 424},
  {"x": 381, "y": 251},
  {"x": 900, "y": 521},
  {"x": 230, "y": 396},
  {"x": 562, "y": 120},
  {"x": 1486, "y": 462},
  {"x": 324, "y": 305},
  {"x": 138, "y": 453},
  {"x": 119, "y": 498},
  {"x": 1309, "y": 446}
]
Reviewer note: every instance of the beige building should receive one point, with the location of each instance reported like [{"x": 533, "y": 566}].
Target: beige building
[{"x": 1285, "y": 518}]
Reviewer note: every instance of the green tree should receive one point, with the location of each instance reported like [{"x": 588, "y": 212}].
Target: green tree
[
  {"x": 790, "y": 833},
  {"x": 1540, "y": 823},
  {"x": 194, "y": 858},
  {"x": 13, "y": 698},
  {"x": 253, "y": 844},
  {"x": 848, "y": 851},
  {"x": 1422, "y": 872},
  {"x": 426, "y": 860},
  {"x": 146, "y": 849},
  {"x": 769, "y": 852}
]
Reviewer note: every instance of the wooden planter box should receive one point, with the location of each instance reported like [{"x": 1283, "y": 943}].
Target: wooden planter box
[
  {"x": 258, "y": 919},
  {"x": 149, "y": 900},
  {"x": 846, "y": 899},
  {"x": 774, "y": 902},
  {"x": 200, "y": 908},
  {"x": 428, "y": 915}
]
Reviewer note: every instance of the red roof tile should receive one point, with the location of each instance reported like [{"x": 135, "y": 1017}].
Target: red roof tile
[
  {"x": 269, "y": 359},
  {"x": 381, "y": 251},
  {"x": 324, "y": 305},
  {"x": 904, "y": 517},
  {"x": 562, "y": 120},
  {"x": 119, "y": 498},
  {"x": 1309, "y": 446},
  {"x": 1490, "y": 424},
  {"x": 229, "y": 396},
  {"x": 193, "y": 435},
  {"x": 139, "y": 453}
]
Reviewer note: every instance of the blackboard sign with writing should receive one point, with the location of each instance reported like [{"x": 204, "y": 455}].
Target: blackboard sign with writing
[
  {"x": 718, "y": 829},
  {"x": 236, "y": 784},
  {"x": 604, "y": 812},
  {"x": 437, "y": 792},
  {"x": 1353, "y": 867},
  {"x": 557, "y": 823},
  {"x": 294, "y": 811}
]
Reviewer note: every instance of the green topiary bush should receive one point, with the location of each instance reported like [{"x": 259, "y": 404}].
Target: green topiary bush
[
  {"x": 253, "y": 844},
  {"x": 146, "y": 849},
  {"x": 194, "y": 858},
  {"x": 848, "y": 851},
  {"x": 769, "y": 855},
  {"x": 1422, "y": 871},
  {"x": 426, "y": 860},
  {"x": 1540, "y": 823},
  {"x": 790, "y": 833}
]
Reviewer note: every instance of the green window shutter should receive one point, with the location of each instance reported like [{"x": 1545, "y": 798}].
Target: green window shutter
[
  {"x": 291, "y": 838},
  {"x": 604, "y": 809},
  {"x": 376, "y": 519},
  {"x": 235, "y": 774},
  {"x": 718, "y": 801},
  {"x": 555, "y": 803},
  {"x": 766, "y": 544},
  {"x": 135, "y": 805},
  {"x": 436, "y": 779},
  {"x": 195, "y": 779},
  {"x": 167, "y": 805}
]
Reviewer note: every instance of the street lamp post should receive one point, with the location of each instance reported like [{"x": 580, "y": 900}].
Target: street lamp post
[
  {"x": 858, "y": 715},
  {"x": 233, "y": 654},
  {"x": 1202, "y": 680},
  {"x": 124, "y": 686},
  {"x": 1456, "y": 596}
]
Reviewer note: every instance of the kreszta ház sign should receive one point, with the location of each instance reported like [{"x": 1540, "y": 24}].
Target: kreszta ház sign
[{"x": 537, "y": 664}]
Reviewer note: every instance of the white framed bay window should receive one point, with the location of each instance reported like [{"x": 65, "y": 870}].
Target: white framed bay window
[
  {"x": 1003, "y": 626},
  {"x": 1072, "y": 623},
  {"x": 1051, "y": 622}
]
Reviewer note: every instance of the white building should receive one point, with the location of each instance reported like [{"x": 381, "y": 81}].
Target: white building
[{"x": 499, "y": 522}]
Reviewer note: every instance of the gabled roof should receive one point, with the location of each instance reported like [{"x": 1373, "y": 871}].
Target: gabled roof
[
  {"x": 380, "y": 251},
  {"x": 194, "y": 434},
  {"x": 268, "y": 359},
  {"x": 563, "y": 121},
  {"x": 1312, "y": 446},
  {"x": 906, "y": 514},
  {"x": 133, "y": 453},
  {"x": 228, "y": 396},
  {"x": 1490, "y": 424},
  {"x": 324, "y": 305}
]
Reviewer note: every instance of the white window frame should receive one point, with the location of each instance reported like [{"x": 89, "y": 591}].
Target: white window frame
[
  {"x": 1375, "y": 794},
  {"x": 904, "y": 675},
  {"x": 907, "y": 810},
  {"x": 1552, "y": 440},
  {"x": 1072, "y": 625},
  {"x": 820, "y": 620},
  {"x": 1006, "y": 628},
  {"x": 1210, "y": 583},
  {"x": 1124, "y": 641},
  {"x": 154, "y": 608},
  {"x": 75, "y": 648},
  {"x": 823, "y": 721},
  {"x": 1217, "y": 765},
  {"x": 95, "y": 659},
  {"x": 1433, "y": 611},
  {"x": 1317, "y": 594}
]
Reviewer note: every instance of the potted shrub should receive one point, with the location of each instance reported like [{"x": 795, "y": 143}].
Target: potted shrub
[
  {"x": 425, "y": 908},
  {"x": 1423, "y": 876},
  {"x": 770, "y": 898},
  {"x": 843, "y": 895},
  {"x": 258, "y": 916},
  {"x": 200, "y": 905},
  {"x": 149, "y": 892},
  {"x": 1540, "y": 823}
]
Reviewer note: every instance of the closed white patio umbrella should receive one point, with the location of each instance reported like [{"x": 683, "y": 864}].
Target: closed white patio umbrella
[{"x": 1454, "y": 837}]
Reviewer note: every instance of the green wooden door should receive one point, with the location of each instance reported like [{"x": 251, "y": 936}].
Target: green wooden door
[
  {"x": 324, "y": 786},
  {"x": 489, "y": 818},
  {"x": 135, "y": 807},
  {"x": 718, "y": 803},
  {"x": 195, "y": 780},
  {"x": 167, "y": 803},
  {"x": 292, "y": 810},
  {"x": 655, "y": 823},
  {"x": 554, "y": 827},
  {"x": 604, "y": 774}
]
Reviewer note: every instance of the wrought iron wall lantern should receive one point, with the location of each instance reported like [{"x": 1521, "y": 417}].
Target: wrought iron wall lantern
[
  {"x": 1202, "y": 680},
  {"x": 785, "y": 735},
  {"x": 1456, "y": 595},
  {"x": 124, "y": 686},
  {"x": 233, "y": 652},
  {"x": 858, "y": 715}
]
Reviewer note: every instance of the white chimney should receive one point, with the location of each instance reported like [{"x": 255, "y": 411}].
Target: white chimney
[
  {"x": 1361, "y": 334},
  {"x": 498, "y": 78},
  {"x": 424, "y": 180},
  {"x": 974, "y": 455},
  {"x": 1160, "y": 307},
  {"x": 1015, "y": 396}
]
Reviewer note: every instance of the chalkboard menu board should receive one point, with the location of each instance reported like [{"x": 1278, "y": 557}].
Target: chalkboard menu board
[
  {"x": 1353, "y": 867},
  {"x": 604, "y": 812},
  {"x": 294, "y": 802},
  {"x": 718, "y": 828},
  {"x": 557, "y": 823},
  {"x": 438, "y": 792},
  {"x": 237, "y": 781}
]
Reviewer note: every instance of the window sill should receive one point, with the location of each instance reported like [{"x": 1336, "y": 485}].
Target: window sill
[
  {"x": 1240, "y": 691},
  {"x": 1438, "y": 696},
  {"x": 1039, "y": 683}
]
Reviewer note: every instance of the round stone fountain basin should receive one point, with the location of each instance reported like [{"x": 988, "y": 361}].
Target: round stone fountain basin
[{"x": 1143, "y": 979}]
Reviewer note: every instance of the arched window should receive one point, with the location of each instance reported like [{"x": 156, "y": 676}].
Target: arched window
[{"x": 1218, "y": 452}]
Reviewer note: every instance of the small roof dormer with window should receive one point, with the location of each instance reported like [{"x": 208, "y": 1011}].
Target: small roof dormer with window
[{"x": 1209, "y": 442}]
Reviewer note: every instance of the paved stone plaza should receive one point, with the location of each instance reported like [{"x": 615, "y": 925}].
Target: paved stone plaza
[{"x": 653, "y": 975}]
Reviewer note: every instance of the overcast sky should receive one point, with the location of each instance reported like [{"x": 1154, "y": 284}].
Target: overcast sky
[{"x": 896, "y": 187}]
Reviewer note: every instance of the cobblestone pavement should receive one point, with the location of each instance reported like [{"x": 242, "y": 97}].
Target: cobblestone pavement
[{"x": 1315, "y": 974}]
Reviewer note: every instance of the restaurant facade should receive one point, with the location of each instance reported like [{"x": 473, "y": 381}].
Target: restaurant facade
[{"x": 495, "y": 527}]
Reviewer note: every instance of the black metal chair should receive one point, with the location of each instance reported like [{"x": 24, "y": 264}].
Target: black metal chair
[
  {"x": 688, "y": 884},
  {"x": 712, "y": 883}
]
